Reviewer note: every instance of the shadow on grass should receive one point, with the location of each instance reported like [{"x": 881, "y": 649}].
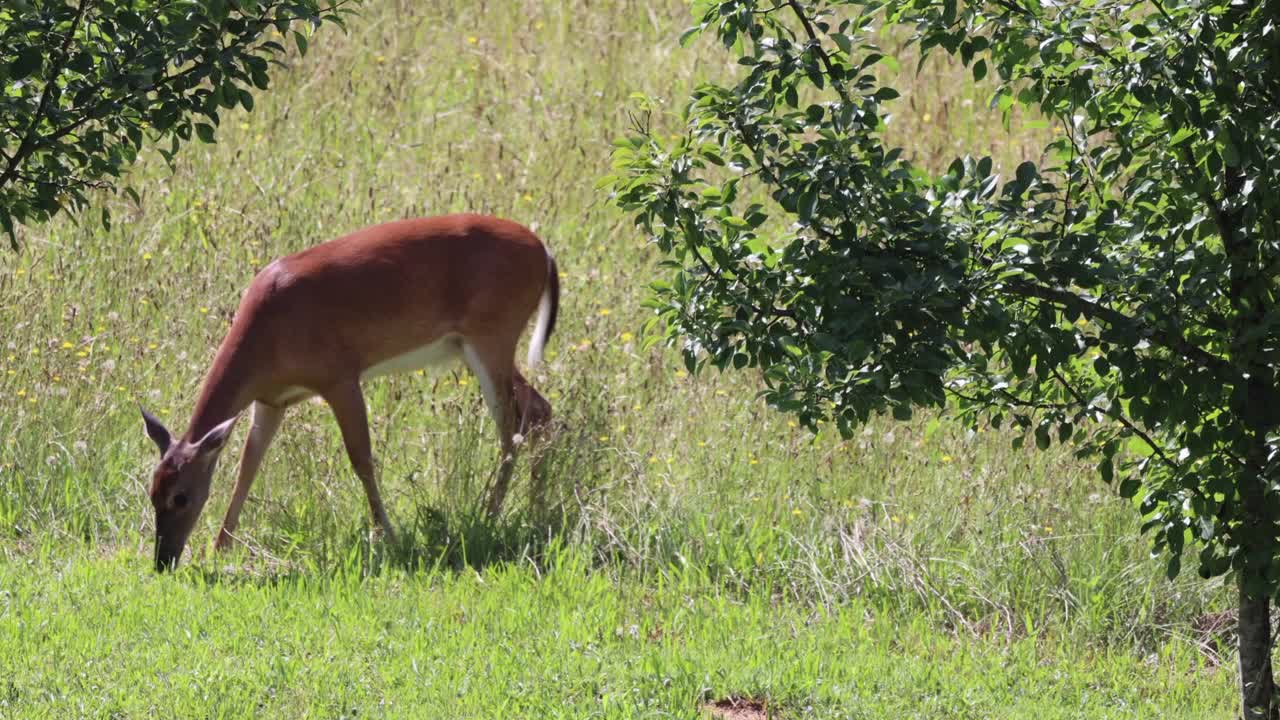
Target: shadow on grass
[{"x": 447, "y": 529}]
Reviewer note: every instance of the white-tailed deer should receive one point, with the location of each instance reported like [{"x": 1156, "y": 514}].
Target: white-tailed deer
[{"x": 387, "y": 298}]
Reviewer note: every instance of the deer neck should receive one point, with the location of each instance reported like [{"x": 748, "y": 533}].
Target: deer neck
[{"x": 227, "y": 389}]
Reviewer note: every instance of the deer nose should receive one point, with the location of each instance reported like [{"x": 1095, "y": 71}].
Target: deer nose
[{"x": 168, "y": 550}]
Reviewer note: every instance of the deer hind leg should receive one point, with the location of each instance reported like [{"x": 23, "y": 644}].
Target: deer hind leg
[
  {"x": 535, "y": 425},
  {"x": 492, "y": 363},
  {"x": 347, "y": 402},
  {"x": 266, "y": 420}
]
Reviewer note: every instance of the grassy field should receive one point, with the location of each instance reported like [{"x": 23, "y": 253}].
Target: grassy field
[{"x": 702, "y": 546}]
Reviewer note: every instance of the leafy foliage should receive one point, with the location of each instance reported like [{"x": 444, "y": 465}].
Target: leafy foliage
[
  {"x": 86, "y": 83},
  {"x": 1121, "y": 294}
]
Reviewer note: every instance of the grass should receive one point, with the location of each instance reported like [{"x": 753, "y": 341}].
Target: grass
[
  {"x": 566, "y": 641},
  {"x": 701, "y": 547}
]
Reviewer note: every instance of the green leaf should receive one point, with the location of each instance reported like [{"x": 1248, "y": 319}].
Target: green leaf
[
  {"x": 28, "y": 62},
  {"x": 1230, "y": 153},
  {"x": 842, "y": 41},
  {"x": 688, "y": 35},
  {"x": 1026, "y": 173},
  {"x": 204, "y": 131},
  {"x": 1129, "y": 487},
  {"x": 979, "y": 70}
]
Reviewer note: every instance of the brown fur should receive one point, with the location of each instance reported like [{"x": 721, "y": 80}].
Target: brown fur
[{"x": 320, "y": 318}]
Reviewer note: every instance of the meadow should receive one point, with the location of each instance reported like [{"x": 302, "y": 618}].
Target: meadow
[{"x": 701, "y": 546}]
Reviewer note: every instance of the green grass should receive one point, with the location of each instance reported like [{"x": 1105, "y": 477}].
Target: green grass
[
  {"x": 701, "y": 546},
  {"x": 565, "y": 641}
]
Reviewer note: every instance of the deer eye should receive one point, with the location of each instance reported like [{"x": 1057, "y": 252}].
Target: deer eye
[{"x": 179, "y": 501}]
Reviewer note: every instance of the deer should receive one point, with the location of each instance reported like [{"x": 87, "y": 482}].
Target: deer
[{"x": 388, "y": 298}]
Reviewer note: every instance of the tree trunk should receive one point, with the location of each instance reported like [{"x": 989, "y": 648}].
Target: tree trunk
[{"x": 1257, "y": 685}]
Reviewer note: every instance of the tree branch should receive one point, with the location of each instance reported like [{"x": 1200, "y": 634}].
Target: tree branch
[
  {"x": 822, "y": 53},
  {"x": 1118, "y": 417},
  {"x": 28, "y": 144},
  {"x": 1072, "y": 301}
]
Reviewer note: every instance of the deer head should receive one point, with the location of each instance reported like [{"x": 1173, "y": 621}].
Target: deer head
[{"x": 180, "y": 484}]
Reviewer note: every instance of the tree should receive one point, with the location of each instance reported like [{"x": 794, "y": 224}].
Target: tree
[
  {"x": 88, "y": 82},
  {"x": 1121, "y": 297}
]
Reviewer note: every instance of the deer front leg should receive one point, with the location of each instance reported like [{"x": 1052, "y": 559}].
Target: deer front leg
[
  {"x": 266, "y": 420},
  {"x": 347, "y": 402}
]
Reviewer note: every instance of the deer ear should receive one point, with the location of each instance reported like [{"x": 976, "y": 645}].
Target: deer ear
[
  {"x": 213, "y": 440},
  {"x": 158, "y": 433}
]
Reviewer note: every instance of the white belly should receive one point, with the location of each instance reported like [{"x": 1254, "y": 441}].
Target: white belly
[{"x": 445, "y": 350}]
